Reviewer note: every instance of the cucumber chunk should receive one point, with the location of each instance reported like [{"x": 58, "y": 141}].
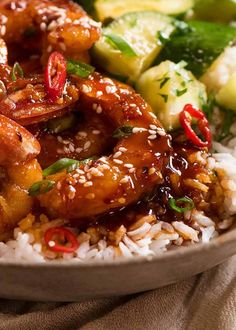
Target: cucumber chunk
[
  {"x": 130, "y": 44},
  {"x": 199, "y": 45},
  {"x": 226, "y": 95},
  {"x": 168, "y": 87},
  {"x": 215, "y": 10},
  {"x": 115, "y": 8}
]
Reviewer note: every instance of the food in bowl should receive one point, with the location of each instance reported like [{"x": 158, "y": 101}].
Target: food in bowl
[{"x": 116, "y": 137}]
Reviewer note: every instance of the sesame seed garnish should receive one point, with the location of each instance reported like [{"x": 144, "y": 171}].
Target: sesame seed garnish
[
  {"x": 82, "y": 181},
  {"x": 71, "y": 147},
  {"x": 139, "y": 130},
  {"x": 88, "y": 184},
  {"x": 152, "y": 137},
  {"x": 118, "y": 161},
  {"x": 87, "y": 145},
  {"x": 125, "y": 179},
  {"x": 99, "y": 109},
  {"x": 78, "y": 150},
  {"x": 71, "y": 193},
  {"x": 82, "y": 134},
  {"x": 89, "y": 176},
  {"x": 122, "y": 149},
  {"x": 58, "y": 185},
  {"x": 51, "y": 243},
  {"x": 153, "y": 115},
  {"x": 95, "y": 105},
  {"x": 86, "y": 89},
  {"x": 95, "y": 172},
  {"x": 110, "y": 89},
  {"x": 96, "y": 132},
  {"x": 154, "y": 127},
  {"x": 43, "y": 26},
  {"x": 79, "y": 171},
  {"x": 99, "y": 93},
  {"x": 161, "y": 132},
  {"x": 151, "y": 171},
  {"x": 117, "y": 154},
  {"x": 152, "y": 132},
  {"x": 128, "y": 165}
]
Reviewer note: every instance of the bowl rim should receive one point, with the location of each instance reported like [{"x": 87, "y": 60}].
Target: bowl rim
[{"x": 223, "y": 239}]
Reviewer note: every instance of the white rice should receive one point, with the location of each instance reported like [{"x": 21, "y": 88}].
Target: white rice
[{"x": 148, "y": 239}]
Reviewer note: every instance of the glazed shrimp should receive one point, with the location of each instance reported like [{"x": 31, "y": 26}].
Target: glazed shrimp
[
  {"x": 87, "y": 137},
  {"x": 49, "y": 25},
  {"x": 122, "y": 178},
  {"x": 19, "y": 169},
  {"x": 26, "y": 102}
]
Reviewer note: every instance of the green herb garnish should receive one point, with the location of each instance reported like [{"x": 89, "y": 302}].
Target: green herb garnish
[
  {"x": 180, "y": 92},
  {"x": 165, "y": 97},
  {"x": 120, "y": 44},
  {"x": 41, "y": 187},
  {"x": 123, "y": 132},
  {"x": 163, "y": 81},
  {"x": 17, "y": 72},
  {"x": 63, "y": 164},
  {"x": 79, "y": 68},
  {"x": 162, "y": 38},
  {"x": 173, "y": 203}
]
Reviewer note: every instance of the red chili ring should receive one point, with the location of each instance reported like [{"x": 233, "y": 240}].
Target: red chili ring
[
  {"x": 63, "y": 234},
  {"x": 55, "y": 76},
  {"x": 185, "y": 118}
]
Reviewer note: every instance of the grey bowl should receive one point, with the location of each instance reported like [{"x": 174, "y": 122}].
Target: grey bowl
[{"x": 76, "y": 282}]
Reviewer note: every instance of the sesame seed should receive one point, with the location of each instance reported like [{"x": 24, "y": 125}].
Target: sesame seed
[
  {"x": 89, "y": 176},
  {"x": 139, "y": 130},
  {"x": 99, "y": 109},
  {"x": 86, "y": 89},
  {"x": 90, "y": 196},
  {"x": 88, "y": 184},
  {"x": 82, "y": 134},
  {"x": 87, "y": 145},
  {"x": 152, "y": 132},
  {"x": 71, "y": 193},
  {"x": 79, "y": 171},
  {"x": 3, "y": 30},
  {"x": 154, "y": 127},
  {"x": 43, "y": 26},
  {"x": 95, "y": 105},
  {"x": 51, "y": 243},
  {"x": 122, "y": 149},
  {"x": 125, "y": 179},
  {"x": 110, "y": 89},
  {"x": 128, "y": 165},
  {"x": 161, "y": 132},
  {"x": 117, "y": 154},
  {"x": 71, "y": 147},
  {"x": 78, "y": 150},
  {"x": 152, "y": 137},
  {"x": 58, "y": 185},
  {"x": 99, "y": 93},
  {"x": 153, "y": 115},
  {"x": 82, "y": 181},
  {"x": 95, "y": 172},
  {"x": 122, "y": 200},
  {"x": 96, "y": 132},
  {"x": 151, "y": 171},
  {"x": 118, "y": 161}
]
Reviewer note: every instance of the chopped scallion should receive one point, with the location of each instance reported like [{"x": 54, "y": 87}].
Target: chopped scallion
[
  {"x": 79, "y": 68},
  {"x": 173, "y": 203},
  {"x": 120, "y": 44},
  {"x": 17, "y": 72},
  {"x": 41, "y": 187},
  {"x": 123, "y": 132}
]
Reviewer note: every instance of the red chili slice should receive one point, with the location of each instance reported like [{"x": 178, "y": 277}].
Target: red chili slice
[
  {"x": 64, "y": 235},
  {"x": 185, "y": 118},
  {"x": 55, "y": 76}
]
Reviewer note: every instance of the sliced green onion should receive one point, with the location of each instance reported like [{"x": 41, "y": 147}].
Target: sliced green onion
[
  {"x": 17, "y": 72},
  {"x": 41, "y": 187},
  {"x": 120, "y": 44},
  {"x": 63, "y": 164},
  {"x": 184, "y": 200},
  {"x": 123, "y": 132},
  {"x": 61, "y": 124},
  {"x": 79, "y": 68},
  {"x": 180, "y": 92}
]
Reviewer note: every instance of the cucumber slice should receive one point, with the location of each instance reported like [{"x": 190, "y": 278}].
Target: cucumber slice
[
  {"x": 226, "y": 95},
  {"x": 115, "y": 8},
  {"x": 199, "y": 45},
  {"x": 168, "y": 87},
  {"x": 215, "y": 10},
  {"x": 130, "y": 44}
]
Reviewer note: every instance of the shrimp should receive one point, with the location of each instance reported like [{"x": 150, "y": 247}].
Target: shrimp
[
  {"x": 134, "y": 168},
  {"x": 26, "y": 101},
  {"x": 19, "y": 169},
  {"x": 87, "y": 137},
  {"x": 48, "y": 25}
]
